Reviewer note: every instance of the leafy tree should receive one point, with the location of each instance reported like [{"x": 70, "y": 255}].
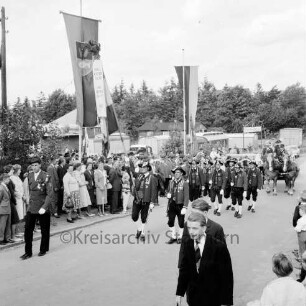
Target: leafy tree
[{"x": 21, "y": 133}]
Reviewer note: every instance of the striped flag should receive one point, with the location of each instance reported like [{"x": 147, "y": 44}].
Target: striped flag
[{"x": 191, "y": 93}]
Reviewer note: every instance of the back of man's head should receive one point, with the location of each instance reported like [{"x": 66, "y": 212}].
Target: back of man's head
[{"x": 200, "y": 205}]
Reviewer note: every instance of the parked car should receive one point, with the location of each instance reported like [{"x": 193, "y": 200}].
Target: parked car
[{"x": 293, "y": 150}]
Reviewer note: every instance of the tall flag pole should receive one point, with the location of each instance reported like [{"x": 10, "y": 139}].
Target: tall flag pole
[
  {"x": 184, "y": 103},
  {"x": 80, "y": 126}
]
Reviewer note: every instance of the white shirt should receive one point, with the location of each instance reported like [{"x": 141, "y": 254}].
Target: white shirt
[
  {"x": 284, "y": 291},
  {"x": 301, "y": 224},
  {"x": 200, "y": 245},
  {"x": 36, "y": 175}
]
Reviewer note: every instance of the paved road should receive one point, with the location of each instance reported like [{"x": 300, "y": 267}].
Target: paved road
[{"x": 123, "y": 273}]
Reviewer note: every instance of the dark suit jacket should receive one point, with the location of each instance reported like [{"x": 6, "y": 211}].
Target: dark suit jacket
[
  {"x": 296, "y": 215},
  {"x": 5, "y": 198},
  {"x": 61, "y": 171},
  {"x": 90, "y": 178},
  {"x": 213, "y": 229},
  {"x": 38, "y": 192},
  {"x": 11, "y": 188},
  {"x": 115, "y": 179},
  {"x": 214, "y": 283}
]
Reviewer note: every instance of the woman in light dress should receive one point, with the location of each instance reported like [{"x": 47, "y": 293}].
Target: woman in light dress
[
  {"x": 100, "y": 176},
  {"x": 19, "y": 192},
  {"x": 71, "y": 191},
  {"x": 85, "y": 201}
]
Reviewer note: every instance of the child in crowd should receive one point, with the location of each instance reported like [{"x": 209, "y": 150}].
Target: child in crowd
[{"x": 301, "y": 229}]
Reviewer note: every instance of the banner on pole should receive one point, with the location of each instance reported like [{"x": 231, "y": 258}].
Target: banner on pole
[{"x": 191, "y": 93}]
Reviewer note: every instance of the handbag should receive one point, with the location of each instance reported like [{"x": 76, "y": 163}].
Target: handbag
[
  {"x": 109, "y": 185},
  {"x": 69, "y": 204}
]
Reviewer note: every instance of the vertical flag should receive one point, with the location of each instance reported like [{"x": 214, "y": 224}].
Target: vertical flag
[
  {"x": 191, "y": 93},
  {"x": 80, "y": 31},
  {"x": 94, "y": 101}
]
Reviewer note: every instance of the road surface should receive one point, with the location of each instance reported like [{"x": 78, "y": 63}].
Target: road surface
[{"x": 99, "y": 266}]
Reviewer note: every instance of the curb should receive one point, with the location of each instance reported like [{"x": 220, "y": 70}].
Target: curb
[
  {"x": 16, "y": 244},
  {"x": 72, "y": 228}
]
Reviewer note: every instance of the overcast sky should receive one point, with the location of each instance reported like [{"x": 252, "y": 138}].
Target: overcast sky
[{"x": 233, "y": 42}]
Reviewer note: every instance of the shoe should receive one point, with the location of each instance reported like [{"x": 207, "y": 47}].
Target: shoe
[
  {"x": 215, "y": 211},
  {"x": 142, "y": 237},
  {"x": 3, "y": 242},
  {"x": 228, "y": 207},
  {"x": 233, "y": 208},
  {"x": 236, "y": 214},
  {"x": 70, "y": 221},
  {"x": 42, "y": 253},
  {"x": 56, "y": 216},
  {"x": 179, "y": 241},
  {"x": 249, "y": 207},
  {"x": 80, "y": 217},
  {"x": 138, "y": 234},
  {"x": 25, "y": 256},
  {"x": 15, "y": 240},
  {"x": 239, "y": 216},
  {"x": 172, "y": 240},
  {"x": 253, "y": 210},
  {"x": 218, "y": 213}
]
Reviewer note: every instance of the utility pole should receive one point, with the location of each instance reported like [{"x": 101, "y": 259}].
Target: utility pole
[{"x": 3, "y": 63}]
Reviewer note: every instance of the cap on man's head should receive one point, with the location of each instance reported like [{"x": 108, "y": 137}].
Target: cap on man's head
[
  {"x": 35, "y": 160},
  {"x": 200, "y": 204}
]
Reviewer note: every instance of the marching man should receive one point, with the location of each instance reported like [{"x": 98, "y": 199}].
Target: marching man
[
  {"x": 178, "y": 196},
  {"x": 145, "y": 196},
  {"x": 239, "y": 185},
  {"x": 217, "y": 182},
  {"x": 254, "y": 184}
]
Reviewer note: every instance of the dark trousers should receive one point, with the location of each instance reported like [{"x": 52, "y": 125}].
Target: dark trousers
[
  {"x": 227, "y": 191},
  {"x": 215, "y": 191},
  {"x": 194, "y": 192},
  {"x": 60, "y": 201},
  {"x": 252, "y": 191},
  {"x": 175, "y": 211},
  {"x": 142, "y": 208},
  {"x": 44, "y": 221},
  {"x": 237, "y": 195},
  {"x": 206, "y": 191},
  {"x": 166, "y": 183},
  {"x": 115, "y": 201}
]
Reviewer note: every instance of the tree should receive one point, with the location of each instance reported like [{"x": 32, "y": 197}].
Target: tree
[
  {"x": 175, "y": 144},
  {"x": 21, "y": 133},
  {"x": 58, "y": 104}
]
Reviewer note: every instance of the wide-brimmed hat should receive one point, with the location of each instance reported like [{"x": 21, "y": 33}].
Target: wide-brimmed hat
[
  {"x": 145, "y": 164},
  {"x": 219, "y": 161},
  {"x": 35, "y": 160},
  {"x": 231, "y": 159},
  {"x": 253, "y": 162},
  {"x": 179, "y": 169}
]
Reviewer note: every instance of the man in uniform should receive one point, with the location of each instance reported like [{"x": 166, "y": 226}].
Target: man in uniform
[
  {"x": 239, "y": 185},
  {"x": 218, "y": 183},
  {"x": 195, "y": 181},
  {"x": 178, "y": 196},
  {"x": 38, "y": 209},
  {"x": 229, "y": 168},
  {"x": 254, "y": 184},
  {"x": 145, "y": 196}
]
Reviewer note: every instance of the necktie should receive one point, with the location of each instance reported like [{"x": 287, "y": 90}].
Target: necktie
[{"x": 197, "y": 254}]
